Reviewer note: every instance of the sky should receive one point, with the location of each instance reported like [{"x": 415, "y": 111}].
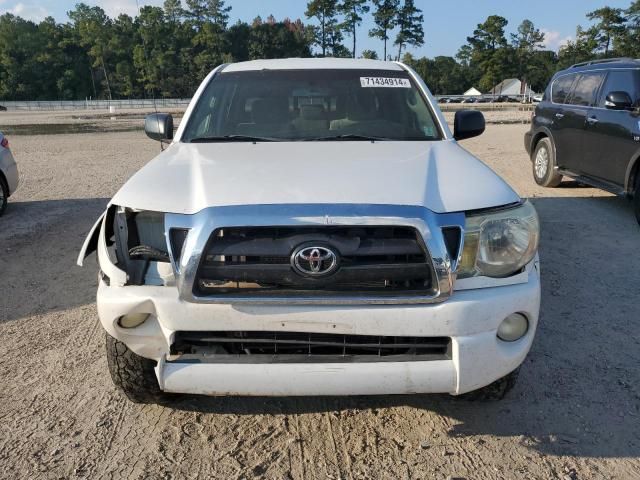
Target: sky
[{"x": 447, "y": 23}]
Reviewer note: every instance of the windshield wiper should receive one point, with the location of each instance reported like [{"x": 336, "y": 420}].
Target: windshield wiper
[
  {"x": 233, "y": 138},
  {"x": 348, "y": 136}
]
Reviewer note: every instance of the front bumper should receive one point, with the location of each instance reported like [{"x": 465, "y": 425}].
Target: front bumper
[
  {"x": 470, "y": 318},
  {"x": 9, "y": 168}
]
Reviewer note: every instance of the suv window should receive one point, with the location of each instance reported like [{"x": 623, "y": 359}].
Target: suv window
[
  {"x": 586, "y": 89},
  {"x": 621, "y": 81},
  {"x": 312, "y": 104},
  {"x": 561, "y": 88}
]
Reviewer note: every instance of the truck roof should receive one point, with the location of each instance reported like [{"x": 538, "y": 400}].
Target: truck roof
[{"x": 313, "y": 64}]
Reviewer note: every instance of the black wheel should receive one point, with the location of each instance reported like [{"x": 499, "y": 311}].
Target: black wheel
[
  {"x": 636, "y": 199},
  {"x": 4, "y": 195},
  {"x": 494, "y": 391},
  {"x": 133, "y": 374},
  {"x": 544, "y": 164}
]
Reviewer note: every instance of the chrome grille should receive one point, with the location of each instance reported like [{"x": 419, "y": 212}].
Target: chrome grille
[{"x": 257, "y": 261}]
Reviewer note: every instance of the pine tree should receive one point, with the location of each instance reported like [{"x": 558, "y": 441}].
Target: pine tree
[
  {"x": 353, "y": 11},
  {"x": 489, "y": 51},
  {"x": 409, "y": 22},
  {"x": 213, "y": 11},
  {"x": 610, "y": 24},
  {"x": 173, "y": 10},
  {"x": 218, "y": 12},
  {"x": 325, "y": 12},
  {"x": 93, "y": 27},
  {"x": 384, "y": 17},
  {"x": 526, "y": 42}
]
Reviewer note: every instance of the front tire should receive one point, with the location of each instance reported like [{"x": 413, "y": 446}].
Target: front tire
[
  {"x": 132, "y": 374},
  {"x": 494, "y": 391},
  {"x": 544, "y": 164},
  {"x": 4, "y": 195}
]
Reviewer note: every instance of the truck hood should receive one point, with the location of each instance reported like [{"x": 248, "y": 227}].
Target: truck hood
[{"x": 441, "y": 176}]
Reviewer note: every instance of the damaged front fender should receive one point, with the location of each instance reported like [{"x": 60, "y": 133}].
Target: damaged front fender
[
  {"x": 90, "y": 244},
  {"x": 96, "y": 241}
]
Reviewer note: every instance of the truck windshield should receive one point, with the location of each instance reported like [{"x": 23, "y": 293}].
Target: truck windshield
[{"x": 308, "y": 105}]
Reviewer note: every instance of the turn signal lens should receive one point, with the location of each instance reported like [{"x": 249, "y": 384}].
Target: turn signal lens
[
  {"x": 133, "y": 320},
  {"x": 467, "y": 264}
]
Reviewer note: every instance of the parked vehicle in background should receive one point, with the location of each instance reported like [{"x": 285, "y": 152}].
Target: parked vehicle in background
[
  {"x": 314, "y": 228},
  {"x": 587, "y": 127},
  {"x": 3, "y": 108},
  {"x": 9, "y": 177}
]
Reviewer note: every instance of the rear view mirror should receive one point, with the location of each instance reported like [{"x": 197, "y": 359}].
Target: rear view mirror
[
  {"x": 467, "y": 124},
  {"x": 159, "y": 126},
  {"x": 618, "y": 101}
]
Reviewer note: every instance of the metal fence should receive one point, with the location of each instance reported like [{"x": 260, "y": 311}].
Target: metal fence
[
  {"x": 184, "y": 102},
  {"x": 96, "y": 104},
  {"x": 489, "y": 98}
]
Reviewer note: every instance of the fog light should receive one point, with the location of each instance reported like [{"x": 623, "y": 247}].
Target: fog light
[
  {"x": 513, "y": 327},
  {"x": 133, "y": 320}
]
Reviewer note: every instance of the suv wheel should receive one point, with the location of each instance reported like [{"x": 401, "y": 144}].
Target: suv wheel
[
  {"x": 494, "y": 391},
  {"x": 4, "y": 194},
  {"x": 544, "y": 164},
  {"x": 132, "y": 374}
]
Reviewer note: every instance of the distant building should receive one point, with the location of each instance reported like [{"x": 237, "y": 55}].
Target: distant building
[
  {"x": 472, "y": 92},
  {"x": 511, "y": 86}
]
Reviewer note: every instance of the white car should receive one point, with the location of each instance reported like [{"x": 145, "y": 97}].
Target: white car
[
  {"x": 9, "y": 178},
  {"x": 314, "y": 228}
]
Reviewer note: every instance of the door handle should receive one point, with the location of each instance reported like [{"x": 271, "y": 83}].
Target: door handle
[
  {"x": 592, "y": 120},
  {"x": 559, "y": 115}
]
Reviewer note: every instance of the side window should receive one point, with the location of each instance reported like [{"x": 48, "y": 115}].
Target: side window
[
  {"x": 586, "y": 90},
  {"x": 620, "y": 81},
  {"x": 202, "y": 116},
  {"x": 422, "y": 113},
  {"x": 561, "y": 88}
]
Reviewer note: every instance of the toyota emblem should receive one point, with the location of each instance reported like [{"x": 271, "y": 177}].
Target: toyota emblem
[{"x": 314, "y": 260}]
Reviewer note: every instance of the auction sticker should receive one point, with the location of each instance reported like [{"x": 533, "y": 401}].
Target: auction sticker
[{"x": 382, "y": 82}]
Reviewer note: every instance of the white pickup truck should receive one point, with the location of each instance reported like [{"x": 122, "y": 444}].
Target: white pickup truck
[{"x": 314, "y": 228}]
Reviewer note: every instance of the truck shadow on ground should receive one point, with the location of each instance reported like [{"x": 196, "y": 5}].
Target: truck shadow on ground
[
  {"x": 40, "y": 241},
  {"x": 579, "y": 389}
]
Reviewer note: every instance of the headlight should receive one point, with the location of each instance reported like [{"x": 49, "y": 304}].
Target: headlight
[{"x": 499, "y": 244}]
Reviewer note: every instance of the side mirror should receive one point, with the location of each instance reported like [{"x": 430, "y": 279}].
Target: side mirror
[
  {"x": 467, "y": 124},
  {"x": 159, "y": 126},
  {"x": 618, "y": 101}
]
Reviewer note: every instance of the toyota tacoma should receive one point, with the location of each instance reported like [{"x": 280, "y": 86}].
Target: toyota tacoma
[{"x": 314, "y": 228}]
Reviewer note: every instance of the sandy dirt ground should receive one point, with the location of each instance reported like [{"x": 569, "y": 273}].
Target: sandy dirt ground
[
  {"x": 42, "y": 117},
  {"x": 575, "y": 413}
]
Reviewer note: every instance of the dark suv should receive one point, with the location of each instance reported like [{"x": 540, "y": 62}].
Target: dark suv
[{"x": 588, "y": 127}]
